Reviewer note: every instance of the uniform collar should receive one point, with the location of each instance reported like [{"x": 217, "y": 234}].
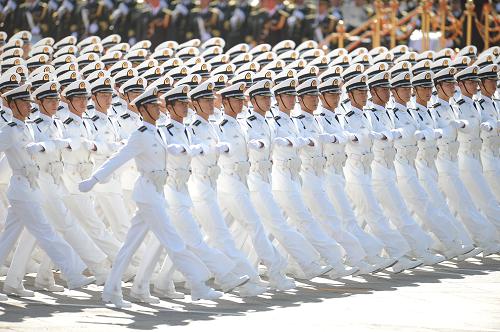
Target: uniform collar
[
  {"x": 257, "y": 115},
  {"x": 486, "y": 99},
  {"x": 399, "y": 106},
  {"x": 443, "y": 102},
  {"x": 100, "y": 115},
  {"x": 322, "y": 110},
  {"x": 197, "y": 117},
  {"x": 75, "y": 117},
  {"x": 18, "y": 122},
  {"x": 45, "y": 117},
  {"x": 420, "y": 107},
  {"x": 356, "y": 110},
  {"x": 379, "y": 108},
  {"x": 149, "y": 126},
  {"x": 467, "y": 99}
]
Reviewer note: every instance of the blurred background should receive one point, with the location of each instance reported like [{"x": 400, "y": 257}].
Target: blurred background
[{"x": 332, "y": 23}]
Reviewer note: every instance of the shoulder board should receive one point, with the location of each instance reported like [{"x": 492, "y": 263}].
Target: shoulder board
[
  {"x": 277, "y": 117},
  {"x": 142, "y": 129},
  {"x": 196, "y": 123},
  {"x": 34, "y": 109},
  {"x": 60, "y": 107},
  {"x": 460, "y": 102},
  {"x": 481, "y": 101},
  {"x": 170, "y": 126},
  {"x": 436, "y": 105},
  {"x": 301, "y": 116},
  {"x": 345, "y": 101},
  {"x": 38, "y": 120},
  {"x": 395, "y": 109},
  {"x": 434, "y": 93},
  {"x": 350, "y": 113},
  {"x": 125, "y": 116},
  {"x": 89, "y": 107},
  {"x": 223, "y": 122},
  {"x": 68, "y": 121},
  {"x": 252, "y": 117},
  {"x": 94, "y": 118},
  {"x": 117, "y": 104},
  {"x": 12, "y": 124}
]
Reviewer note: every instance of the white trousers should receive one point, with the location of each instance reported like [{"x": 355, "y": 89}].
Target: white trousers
[
  {"x": 335, "y": 189},
  {"x": 481, "y": 230},
  {"x": 292, "y": 203},
  {"x": 447, "y": 229},
  {"x": 471, "y": 174},
  {"x": 390, "y": 195},
  {"x": 82, "y": 207},
  {"x": 209, "y": 215},
  {"x": 368, "y": 209},
  {"x": 67, "y": 226},
  {"x": 30, "y": 215},
  {"x": 293, "y": 242},
  {"x": 154, "y": 218},
  {"x": 324, "y": 212},
  {"x": 236, "y": 205},
  {"x": 179, "y": 213}
]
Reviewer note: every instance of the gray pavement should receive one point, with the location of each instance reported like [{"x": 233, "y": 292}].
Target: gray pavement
[{"x": 449, "y": 297}]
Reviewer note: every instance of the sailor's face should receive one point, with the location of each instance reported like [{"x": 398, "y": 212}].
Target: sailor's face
[
  {"x": 310, "y": 102},
  {"x": 423, "y": 93}
]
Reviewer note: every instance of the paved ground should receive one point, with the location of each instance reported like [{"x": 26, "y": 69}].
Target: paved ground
[{"x": 449, "y": 297}]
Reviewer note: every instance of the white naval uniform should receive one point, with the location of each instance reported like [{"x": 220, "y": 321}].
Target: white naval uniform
[
  {"x": 481, "y": 230},
  {"x": 5, "y": 171},
  {"x": 202, "y": 189},
  {"x": 450, "y": 232},
  {"x": 490, "y": 154},
  {"x": 77, "y": 167},
  {"x": 469, "y": 163},
  {"x": 25, "y": 209},
  {"x": 312, "y": 176},
  {"x": 179, "y": 211},
  {"x": 394, "y": 176},
  {"x": 127, "y": 122},
  {"x": 359, "y": 185},
  {"x": 149, "y": 151},
  {"x": 259, "y": 184},
  {"x": 287, "y": 190},
  {"x": 234, "y": 196},
  {"x": 108, "y": 195},
  {"x": 330, "y": 122},
  {"x": 47, "y": 132}
]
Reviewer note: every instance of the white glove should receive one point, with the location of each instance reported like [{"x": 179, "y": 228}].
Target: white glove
[
  {"x": 255, "y": 144},
  {"x": 340, "y": 139},
  {"x": 485, "y": 126},
  {"x": 89, "y": 145},
  {"x": 375, "y": 135},
  {"x": 62, "y": 143},
  {"x": 280, "y": 141},
  {"x": 326, "y": 138},
  {"x": 302, "y": 141},
  {"x": 33, "y": 148},
  {"x": 352, "y": 137},
  {"x": 457, "y": 124},
  {"x": 87, "y": 185},
  {"x": 222, "y": 147},
  {"x": 175, "y": 149},
  {"x": 419, "y": 135},
  {"x": 438, "y": 133},
  {"x": 195, "y": 150},
  {"x": 396, "y": 134}
]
